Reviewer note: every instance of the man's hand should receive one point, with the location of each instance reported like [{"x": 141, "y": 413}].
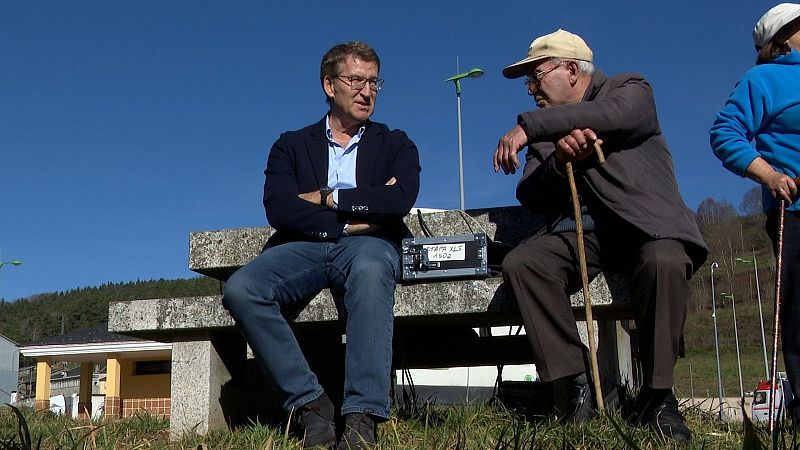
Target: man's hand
[
  {"x": 576, "y": 146},
  {"x": 505, "y": 156},
  {"x": 314, "y": 197},
  {"x": 357, "y": 227}
]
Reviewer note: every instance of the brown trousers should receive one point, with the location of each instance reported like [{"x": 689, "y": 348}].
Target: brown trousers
[{"x": 543, "y": 270}]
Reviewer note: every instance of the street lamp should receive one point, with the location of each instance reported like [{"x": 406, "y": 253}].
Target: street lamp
[
  {"x": 472, "y": 73},
  {"x": 736, "y": 336},
  {"x": 754, "y": 262},
  {"x": 16, "y": 262},
  {"x": 716, "y": 340}
]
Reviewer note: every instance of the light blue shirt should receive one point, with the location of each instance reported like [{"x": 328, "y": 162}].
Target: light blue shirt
[{"x": 341, "y": 162}]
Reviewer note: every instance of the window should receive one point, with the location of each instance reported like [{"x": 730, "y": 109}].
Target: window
[{"x": 152, "y": 367}]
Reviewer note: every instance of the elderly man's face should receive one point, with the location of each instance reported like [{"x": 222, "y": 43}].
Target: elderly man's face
[
  {"x": 349, "y": 105},
  {"x": 794, "y": 41},
  {"x": 549, "y": 83}
]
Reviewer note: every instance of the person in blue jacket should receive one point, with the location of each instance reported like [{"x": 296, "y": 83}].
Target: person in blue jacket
[
  {"x": 336, "y": 193},
  {"x": 764, "y": 108}
]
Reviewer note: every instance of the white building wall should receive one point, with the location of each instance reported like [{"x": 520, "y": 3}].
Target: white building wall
[{"x": 9, "y": 369}]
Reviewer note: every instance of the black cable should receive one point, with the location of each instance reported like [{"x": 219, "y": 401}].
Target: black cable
[{"x": 425, "y": 230}]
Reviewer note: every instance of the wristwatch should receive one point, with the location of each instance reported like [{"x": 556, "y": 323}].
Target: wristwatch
[{"x": 323, "y": 195}]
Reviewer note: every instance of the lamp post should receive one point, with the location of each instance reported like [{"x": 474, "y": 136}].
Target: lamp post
[
  {"x": 691, "y": 382},
  {"x": 754, "y": 262},
  {"x": 736, "y": 336},
  {"x": 16, "y": 262},
  {"x": 716, "y": 341},
  {"x": 472, "y": 73}
]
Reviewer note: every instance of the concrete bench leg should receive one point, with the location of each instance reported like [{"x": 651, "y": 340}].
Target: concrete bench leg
[
  {"x": 614, "y": 351},
  {"x": 206, "y": 382}
]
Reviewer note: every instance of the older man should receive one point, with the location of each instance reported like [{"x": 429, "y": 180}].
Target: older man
[
  {"x": 336, "y": 193},
  {"x": 633, "y": 216}
]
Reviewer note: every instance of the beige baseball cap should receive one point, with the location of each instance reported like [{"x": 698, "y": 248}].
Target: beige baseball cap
[
  {"x": 560, "y": 44},
  {"x": 772, "y": 21}
]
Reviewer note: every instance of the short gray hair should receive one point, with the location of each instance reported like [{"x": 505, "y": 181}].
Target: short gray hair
[{"x": 584, "y": 67}]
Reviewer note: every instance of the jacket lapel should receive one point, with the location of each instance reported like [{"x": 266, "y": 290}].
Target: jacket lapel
[
  {"x": 317, "y": 151},
  {"x": 368, "y": 148}
]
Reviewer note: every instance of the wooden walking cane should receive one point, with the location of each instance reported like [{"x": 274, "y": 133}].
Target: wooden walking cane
[
  {"x": 776, "y": 329},
  {"x": 587, "y": 298}
]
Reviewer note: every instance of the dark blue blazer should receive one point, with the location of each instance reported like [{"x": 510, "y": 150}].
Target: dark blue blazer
[{"x": 298, "y": 162}]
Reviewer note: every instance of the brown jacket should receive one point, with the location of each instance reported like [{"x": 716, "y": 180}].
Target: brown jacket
[{"x": 637, "y": 181}]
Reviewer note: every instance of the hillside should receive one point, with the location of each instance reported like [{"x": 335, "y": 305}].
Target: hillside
[{"x": 30, "y": 319}]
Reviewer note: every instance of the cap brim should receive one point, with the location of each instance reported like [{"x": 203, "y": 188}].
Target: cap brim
[{"x": 520, "y": 68}]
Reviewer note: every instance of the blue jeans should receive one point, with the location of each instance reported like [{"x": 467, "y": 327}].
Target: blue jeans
[{"x": 362, "y": 272}]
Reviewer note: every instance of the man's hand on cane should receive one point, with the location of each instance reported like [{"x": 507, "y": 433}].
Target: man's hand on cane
[{"x": 577, "y": 146}]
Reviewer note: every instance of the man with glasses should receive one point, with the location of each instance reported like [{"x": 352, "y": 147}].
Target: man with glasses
[
  {"x": 336, "y": 193},
  {"x": 633, "y": 216}
]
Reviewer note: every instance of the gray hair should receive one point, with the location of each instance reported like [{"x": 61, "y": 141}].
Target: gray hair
[{"x": 584, "y": 67}]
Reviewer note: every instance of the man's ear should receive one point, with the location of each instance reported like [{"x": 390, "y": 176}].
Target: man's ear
[
  {"x": 573, "y": 72},
  {"x": 327, "y": 86}
]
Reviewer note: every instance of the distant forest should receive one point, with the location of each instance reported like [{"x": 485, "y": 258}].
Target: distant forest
[
  {"x": 43, "y": 315},
  {"x": 730, "y": 231}
]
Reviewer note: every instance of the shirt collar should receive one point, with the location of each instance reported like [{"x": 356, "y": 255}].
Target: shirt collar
[{"x": 329, "y": 132}]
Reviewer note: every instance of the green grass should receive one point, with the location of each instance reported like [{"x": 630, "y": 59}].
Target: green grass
[
  {"x": 458, "y": 427},
  {"x": 700, "y": 352}
]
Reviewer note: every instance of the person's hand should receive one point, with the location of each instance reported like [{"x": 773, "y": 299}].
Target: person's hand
[
  {"x": 357, "y": 227},
  {"x": 781, "y": 186},
  {"x": 576, "y": 146},
  {"x": 505, "y": 156},
  {"x": 313, "y": 197}
]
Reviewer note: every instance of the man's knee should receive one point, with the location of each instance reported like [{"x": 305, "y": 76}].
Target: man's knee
[
  {"x": 376, "y": 260},
  {"x": 525, "y": 261},
  {"x": 664, "y": 256},
  {"x": 241, "y": 289},
  {"x": 514, "y": 261}
]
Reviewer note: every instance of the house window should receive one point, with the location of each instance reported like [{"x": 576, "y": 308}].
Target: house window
[{"x": 151, "y": 367}]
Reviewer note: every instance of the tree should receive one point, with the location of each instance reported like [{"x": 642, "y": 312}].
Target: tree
[{"x": 751, "y": 203}]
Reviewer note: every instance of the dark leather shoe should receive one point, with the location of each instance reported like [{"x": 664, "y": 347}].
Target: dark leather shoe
[
  {"x": 658, "y": 409},
  {"x": 574, "y": 400},
  {"x": 360, "y": 432},
  {"x": 317, "y": 417}
]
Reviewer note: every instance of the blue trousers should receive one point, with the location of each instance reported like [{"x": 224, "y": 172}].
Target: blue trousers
[{"x": 361, "y": 272}]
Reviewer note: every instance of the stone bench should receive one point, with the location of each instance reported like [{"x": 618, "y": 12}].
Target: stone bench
[{"x": 434, "y": 321}]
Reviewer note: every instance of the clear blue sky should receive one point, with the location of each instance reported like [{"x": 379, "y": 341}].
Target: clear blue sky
[{"x": 124, "y": 126}]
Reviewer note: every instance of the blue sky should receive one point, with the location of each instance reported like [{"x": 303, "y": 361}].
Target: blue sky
[{"x": 124, "y": 126}]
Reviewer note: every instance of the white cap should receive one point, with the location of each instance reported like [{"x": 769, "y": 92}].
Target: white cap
[{"x": 772, "y": 21}]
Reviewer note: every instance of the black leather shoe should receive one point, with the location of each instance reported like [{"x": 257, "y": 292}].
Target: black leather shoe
[
  {"x": 658, "y": 409},
  {"x": 360, "y": 432},
  {"x": 317, "y": 417},
  {"x": 573, "y": 399}
]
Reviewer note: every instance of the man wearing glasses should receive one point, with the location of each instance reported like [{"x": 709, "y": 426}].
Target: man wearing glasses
[
  {"x": 633, "y": 216},
  {"x": 336, "y": 193}
]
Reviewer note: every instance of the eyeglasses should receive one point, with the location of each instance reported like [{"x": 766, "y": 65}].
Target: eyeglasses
[
  {"x": 357, "y": 83},
  {"x": 538, "y": 75}
]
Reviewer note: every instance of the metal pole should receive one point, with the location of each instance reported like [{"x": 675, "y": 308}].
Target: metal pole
[
  {"x": 460, "y": 149},
  {"x": 691, "y": 382},
  {"x": 716, "y": 341},
  {"x": 736, "y": 336},
  {"x": 761, "y": 316},
  {"x": 760, "y": 310}
]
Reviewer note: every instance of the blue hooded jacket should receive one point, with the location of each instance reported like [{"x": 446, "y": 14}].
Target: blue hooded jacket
[{"x": 764, "y": 107}]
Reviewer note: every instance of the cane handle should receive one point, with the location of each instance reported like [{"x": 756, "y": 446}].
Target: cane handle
[{"x": 600, "y": 157}]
